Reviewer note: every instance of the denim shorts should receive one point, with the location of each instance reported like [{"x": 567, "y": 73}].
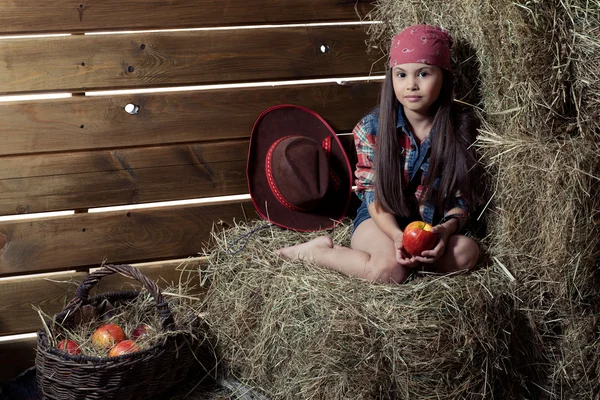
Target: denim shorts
[{"x": 362, "y": 214}]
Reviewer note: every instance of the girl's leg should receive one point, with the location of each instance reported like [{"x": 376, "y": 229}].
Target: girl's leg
[
  {"x": 371, "y": 257},
  {"x": 461, "y": 253}
]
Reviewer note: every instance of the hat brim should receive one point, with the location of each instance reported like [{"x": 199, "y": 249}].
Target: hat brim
[{"x": 284, "y": 120}]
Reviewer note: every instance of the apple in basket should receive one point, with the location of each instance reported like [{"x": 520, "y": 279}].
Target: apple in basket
[
  {"x": 418, "y": 237},
  {"x": 107, "y": 336},
  {"x": 139, "y": 331},
  {"x": 123, "y": 347},
  {"x": 69, "y": 346}
]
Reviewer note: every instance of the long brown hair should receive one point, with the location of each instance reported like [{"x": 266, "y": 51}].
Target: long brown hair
[{"x": 452, "y": 159}]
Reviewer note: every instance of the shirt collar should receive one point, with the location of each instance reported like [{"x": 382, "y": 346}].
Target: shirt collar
[
  {"x": 401, "y": 120},
  {"x": 404, "y": 126}
]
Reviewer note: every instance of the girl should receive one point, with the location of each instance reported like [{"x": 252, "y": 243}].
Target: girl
[{"x": 417, "y": 146}]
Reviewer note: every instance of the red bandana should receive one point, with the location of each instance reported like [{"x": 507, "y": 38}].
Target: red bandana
[{"x": 425, "y": 44}]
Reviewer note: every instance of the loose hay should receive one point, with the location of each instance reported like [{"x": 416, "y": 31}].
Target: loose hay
[{"x": 294, "y": 330}]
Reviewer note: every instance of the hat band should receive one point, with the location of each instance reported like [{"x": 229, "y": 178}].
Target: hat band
[
  {"x": 271, "y": 181},
  {"x": 326, "y": 144},
  {"x": 335, "y": 180}
]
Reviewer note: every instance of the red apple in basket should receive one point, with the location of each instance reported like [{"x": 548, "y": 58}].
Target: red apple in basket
[
  {"x": 124, "y": 347},
  {"x": 108, "y": 335},
  {"x": 418, "y": 237},
  {"x": 139, "y": 331},
  {"x": 69, "y": 346}
]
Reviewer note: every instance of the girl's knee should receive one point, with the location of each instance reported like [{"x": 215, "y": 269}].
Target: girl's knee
[
  {"x": 466, "y": 252},
  {"x": 386, "y": 270}
]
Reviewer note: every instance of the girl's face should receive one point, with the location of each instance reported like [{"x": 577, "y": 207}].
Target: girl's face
[{"x": 417, "y": 86}]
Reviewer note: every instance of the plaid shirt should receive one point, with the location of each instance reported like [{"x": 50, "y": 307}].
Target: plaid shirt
[{"x": 415, "y": 159}]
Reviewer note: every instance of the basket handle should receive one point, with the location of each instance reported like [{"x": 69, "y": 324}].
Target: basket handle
[{"x": 83, "y": 290}]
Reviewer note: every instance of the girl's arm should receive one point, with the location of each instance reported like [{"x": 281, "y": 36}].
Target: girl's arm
[
  {"x": 364, "y": 140},
  {"x": 453, "y": 225},
  {"x": 445, "y": 230},
  {"x": 388, "y": 225},
  {"x": 384, "y": 220}
]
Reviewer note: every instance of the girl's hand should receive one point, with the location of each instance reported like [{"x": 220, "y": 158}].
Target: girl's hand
[
  {"x": 402, "y": 256},
  {"x": 430, "y": 256}
]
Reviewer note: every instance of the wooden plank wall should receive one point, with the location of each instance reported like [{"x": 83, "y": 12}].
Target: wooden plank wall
[{"x": 81, "y": 150}]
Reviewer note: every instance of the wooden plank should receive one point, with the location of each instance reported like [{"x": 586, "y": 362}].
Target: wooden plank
[
  {"x": 67, "y": 181},
  {"x": 81, "y": 180},
  {"x": 51, "y": 292},
  {"x": 86, "y": 16},
  {"x": 166, "y": 274},
  {"x": 92, "y": 239},
  {"x": 15, "y": 357},
  {"x": 86, "y": 123},
  {"x": 17, "y": 297},
  {"x": 84, "y": 63}
]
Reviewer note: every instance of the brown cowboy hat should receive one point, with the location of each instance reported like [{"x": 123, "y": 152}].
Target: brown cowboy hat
[{"x": 299, "y": 176}]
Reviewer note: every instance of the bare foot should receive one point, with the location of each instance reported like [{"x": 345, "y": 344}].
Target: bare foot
[{"x": 305, "y": 251}]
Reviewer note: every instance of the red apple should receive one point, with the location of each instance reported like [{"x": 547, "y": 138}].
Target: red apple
[
  {"x": 108, "y": 335},
  {"x": 418, "y": 238},
  {"x": 139, "y": 331},
  {"x": 69, "y": 346},
  {"x": 124, "y": 347}
]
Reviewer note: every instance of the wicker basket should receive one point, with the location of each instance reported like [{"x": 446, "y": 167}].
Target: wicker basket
[{"x": 138, "y": 375}]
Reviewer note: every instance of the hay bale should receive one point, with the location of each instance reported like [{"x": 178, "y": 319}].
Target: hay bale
[
  {"x": 584, "y": 58},
  {"x": 546, "y": 232},
  {"x": 517, "y": 60},
  {"x": 294, "y": 330},
  {"x": 546, "y": 224},
  {"x": 576, "y": 373}
]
